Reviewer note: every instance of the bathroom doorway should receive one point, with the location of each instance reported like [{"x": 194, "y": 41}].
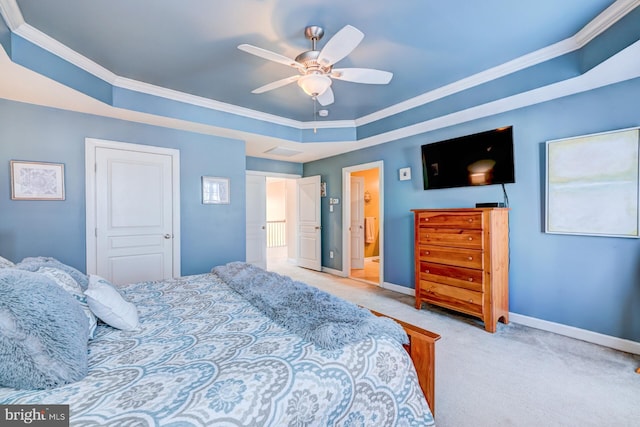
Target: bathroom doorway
[{"x": 363, "y": 211}]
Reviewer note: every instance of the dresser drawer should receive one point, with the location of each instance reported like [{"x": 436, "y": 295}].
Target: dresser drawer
[
  {"x": 451, "y": 297},
  {"x": 458, "y": 237},
  {"x": 450, "y": 219},
  {"x": 461, "y": 257},
  {"x": 449, "y": 275}
]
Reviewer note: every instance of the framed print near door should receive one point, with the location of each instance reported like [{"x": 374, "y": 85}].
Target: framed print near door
[
  {"x": 37, "y": 181},
  {"x": 215, "y": 190},
  {"x": 593, "y": 184}
]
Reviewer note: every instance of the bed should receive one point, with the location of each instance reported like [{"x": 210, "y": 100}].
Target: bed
[{"x": 208, "y": 350}]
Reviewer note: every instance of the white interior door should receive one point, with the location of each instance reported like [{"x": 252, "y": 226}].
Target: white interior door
[
  {"x": 357, "y": 222},
  {"x": 256, "y": 252},
  {"x": 309, "y": 232},
  {"x": 134, "y": 217}
]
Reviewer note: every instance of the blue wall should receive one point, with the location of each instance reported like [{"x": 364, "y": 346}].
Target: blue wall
[
  {"x": 211, "y": 234},
  {"x": 587, "y": 282}
]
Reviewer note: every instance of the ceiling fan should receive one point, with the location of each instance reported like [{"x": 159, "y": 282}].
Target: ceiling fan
[{"x": 315, "y": 67}]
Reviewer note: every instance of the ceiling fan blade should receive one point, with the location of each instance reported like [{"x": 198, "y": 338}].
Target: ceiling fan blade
[
  {"x": 276, "y": 84},
  {"x": 326, "y": 98},
  {"x": 362, "y": 75},
  {"x": 271, "y": 56},
  {"x": 340, "y": 45}
]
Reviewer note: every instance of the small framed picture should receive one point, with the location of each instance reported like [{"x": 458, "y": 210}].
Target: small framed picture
[
  {"x": 404, "y": 174},
  {"x": 215, "y": 190},
  {"x": 37, "y": 181}
]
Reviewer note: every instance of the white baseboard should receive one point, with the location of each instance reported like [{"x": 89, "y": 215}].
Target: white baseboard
[
  {"x": 333, "y": 271},
  {"x": 398, "y": 288},
  {"x": 577, "y": 333},
  {"x": 621, "y": 344}
]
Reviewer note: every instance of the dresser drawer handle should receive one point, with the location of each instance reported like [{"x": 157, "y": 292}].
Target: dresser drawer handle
[
  {"x": 470, "y": 258},
  {"x": 427, "y": 252},
  {"x": 470, "y": 238},
  {"x": 471, "y": 301},
  {"x": 427, "y": 236},
  {"x": 427, "y": 271},
  {"x": 470, "y": 220},
  {"x": 471, "y": 279},
  {"x": 426, "y": 219}
]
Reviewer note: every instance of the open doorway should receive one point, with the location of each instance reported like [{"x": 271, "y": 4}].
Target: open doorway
[
  {"x": 281, "y": 217},
  {"x": 363, "y": 212}
]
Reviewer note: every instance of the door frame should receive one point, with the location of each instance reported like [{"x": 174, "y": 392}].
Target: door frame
[
  {"x": 292, "y": 237},
  {"x": 346, "y": 215},
  {"x": 91, "y": 144}
]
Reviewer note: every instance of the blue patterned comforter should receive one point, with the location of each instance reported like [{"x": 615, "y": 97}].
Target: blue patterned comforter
[{"x": 206, "y": 357}]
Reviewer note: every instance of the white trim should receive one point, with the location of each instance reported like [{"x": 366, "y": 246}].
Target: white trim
[
  {"x": 333, "y": 271},
  {"x": 346, "y": 214},
  {"x": 398, "y": 288},
  {"x": 199, "y": 101},
  {"x": 53, "y": 46},
  {"x": 90, "y": 195},
  {"x": 615, "y": 343},
  {"x": 597, "y": 26},
  {"x": 577, "y": 333},
  {"x": 11, "y": 13},
  {"x": 606, "y": 19}
]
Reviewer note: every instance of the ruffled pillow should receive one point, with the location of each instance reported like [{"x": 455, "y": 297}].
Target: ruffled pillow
[
  {"x": 5, "y": 263},
  {"x": 43, "y": 332},
  {"x": 66, "y": 282},
  {"x": 34, "y": 263},
  {"x": 109, "y": 306}
]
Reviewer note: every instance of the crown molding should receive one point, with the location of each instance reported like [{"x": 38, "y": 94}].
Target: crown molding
[
  {"x": 521, "y": 63},
  {"x": 606, "y": 19},
  {"x": 199, "y": 101},
  {"x": 597, "y": 26},
  {"x": 620, "y": 8},
  {"x": 11, "y": 13},
  {"x": 53, "y": 46}
]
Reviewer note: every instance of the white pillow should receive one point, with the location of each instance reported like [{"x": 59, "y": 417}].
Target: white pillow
[
  {"x": 69, "y": 284},
  {"x": 106, "y": 302}
]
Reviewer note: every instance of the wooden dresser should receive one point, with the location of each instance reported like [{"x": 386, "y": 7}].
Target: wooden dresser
[{"x": 462, "y": 261}]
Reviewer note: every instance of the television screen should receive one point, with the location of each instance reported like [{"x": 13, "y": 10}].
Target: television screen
[{"x": 480, "y": 159}]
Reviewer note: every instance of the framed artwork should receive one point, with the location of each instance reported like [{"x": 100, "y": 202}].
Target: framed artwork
[
  {"x": 404, "y": 174},
  {"x": 37, "y": 181},
  {"x": 215, "y": 190},
  {"x": 592, "y": 184}
]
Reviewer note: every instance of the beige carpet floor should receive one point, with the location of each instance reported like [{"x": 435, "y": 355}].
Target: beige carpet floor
[{"x": 519, "y": 376}]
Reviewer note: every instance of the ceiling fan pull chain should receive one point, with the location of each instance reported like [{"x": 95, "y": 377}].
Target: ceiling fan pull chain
[{"x": 315, "y": 100}]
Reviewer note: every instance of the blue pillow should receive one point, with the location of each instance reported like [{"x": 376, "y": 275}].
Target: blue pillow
[{"x": 43, "y": 332}]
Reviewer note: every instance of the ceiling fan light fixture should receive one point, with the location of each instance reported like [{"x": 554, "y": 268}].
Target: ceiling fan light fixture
[{"x": 314, "y": 84}]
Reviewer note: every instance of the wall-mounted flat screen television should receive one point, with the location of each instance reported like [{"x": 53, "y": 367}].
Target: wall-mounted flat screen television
[{"x": 480, "y": 159}]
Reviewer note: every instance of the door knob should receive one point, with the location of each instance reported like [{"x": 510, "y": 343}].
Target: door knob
[{"x": 167, "y": 236}]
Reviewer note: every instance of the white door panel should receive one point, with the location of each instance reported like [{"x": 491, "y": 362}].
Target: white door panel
[
  {"x": 309, "y": 232},
  {"x": 134, "y": 216},
  {"x": 357, "y": 222},
  {"x": 256, "y": 252}
]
